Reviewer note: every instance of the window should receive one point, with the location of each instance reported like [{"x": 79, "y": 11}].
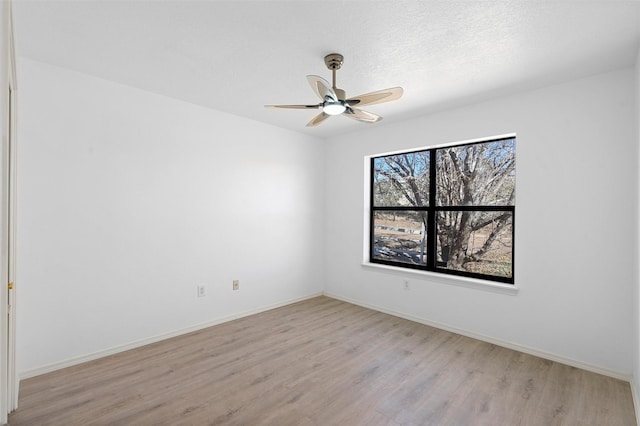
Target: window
[{"x": 448, "y": 209}]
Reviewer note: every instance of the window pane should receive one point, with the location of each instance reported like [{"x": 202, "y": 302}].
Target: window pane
[
  {"x": 401, "y": 180},
  {"x": 478, "y": 242},
  {"x": 480, "y": 174},
  {"x": 400, "y": 236}
]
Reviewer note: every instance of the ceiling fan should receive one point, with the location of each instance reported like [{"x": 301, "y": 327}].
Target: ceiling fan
[{"x": 335, "y": 101}]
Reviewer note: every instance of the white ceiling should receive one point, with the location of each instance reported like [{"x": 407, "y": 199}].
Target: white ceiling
[{"x": 236, "y": 56}]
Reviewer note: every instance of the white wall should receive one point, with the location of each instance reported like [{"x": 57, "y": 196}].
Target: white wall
[
  {"x": 575, "y": 210},
  {"x": 129, "y": 200}
]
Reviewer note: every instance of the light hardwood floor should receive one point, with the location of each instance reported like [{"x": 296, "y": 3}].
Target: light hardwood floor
[{"x": 323, "y": 362}]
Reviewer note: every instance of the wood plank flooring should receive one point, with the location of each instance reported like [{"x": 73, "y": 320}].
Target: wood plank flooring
[{"x": 323, "y": 362}]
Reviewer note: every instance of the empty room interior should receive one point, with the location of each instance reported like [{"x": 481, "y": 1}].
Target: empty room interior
[{"x": 184, "y": 242}]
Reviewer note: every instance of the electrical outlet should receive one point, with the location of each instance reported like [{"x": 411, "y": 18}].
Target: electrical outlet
[
  {"x": 406, "y": 284},
  {"x": 236, "y": 284},
  {"x": 201, "y": 290}
]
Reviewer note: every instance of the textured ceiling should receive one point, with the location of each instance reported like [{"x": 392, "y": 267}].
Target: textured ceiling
[{"x": 236, "y": 56}]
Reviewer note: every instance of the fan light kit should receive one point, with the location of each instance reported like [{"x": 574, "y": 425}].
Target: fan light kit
[{"x": 335, "y": 101}]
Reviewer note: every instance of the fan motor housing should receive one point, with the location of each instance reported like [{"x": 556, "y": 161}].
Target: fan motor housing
[{"x": 333, "y": 61}]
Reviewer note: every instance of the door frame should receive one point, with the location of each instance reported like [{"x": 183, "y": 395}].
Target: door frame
[{"x": 8, "y": 376}]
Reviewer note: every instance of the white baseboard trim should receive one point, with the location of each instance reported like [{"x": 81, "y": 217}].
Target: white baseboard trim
[
  {"x": 510, "y": 345},
  {"x": 142, "y": 342}
]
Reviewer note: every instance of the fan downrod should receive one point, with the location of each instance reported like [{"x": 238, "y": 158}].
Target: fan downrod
[{"x": 333, "y": 61}]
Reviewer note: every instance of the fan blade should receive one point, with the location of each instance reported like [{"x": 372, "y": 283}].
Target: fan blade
[
  {"x": 322, "y": 88},
  {"x": 318, "y": 119},
  {"x": 386, "y": 95},
  {"x": 294, "y": 106},
  {"x": 360, "y": 115}
]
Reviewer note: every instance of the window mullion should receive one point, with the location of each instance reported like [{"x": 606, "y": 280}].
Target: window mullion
[
  {"x": 431, "y": 216},
  {"x": 371, "y": 210}
]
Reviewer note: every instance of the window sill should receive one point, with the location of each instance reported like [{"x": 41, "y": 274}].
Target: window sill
[{"x": 509, "y": 289}]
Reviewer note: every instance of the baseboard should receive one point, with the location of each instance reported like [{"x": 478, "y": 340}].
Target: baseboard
[
  {"x": 510, "y": 345},
  {"x": 142, "y": 342}
]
